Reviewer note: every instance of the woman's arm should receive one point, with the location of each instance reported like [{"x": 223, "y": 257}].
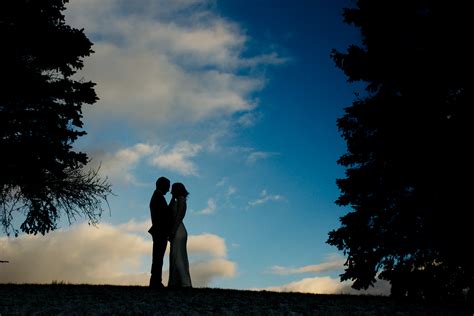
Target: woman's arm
[{"x": 179, "y": 216}]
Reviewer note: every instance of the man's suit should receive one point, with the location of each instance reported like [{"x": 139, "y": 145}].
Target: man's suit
[{"x": 160, "y": 218}]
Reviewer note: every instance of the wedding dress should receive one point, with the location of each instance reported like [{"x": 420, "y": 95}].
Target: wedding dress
[{"x": 179, "y": 265}]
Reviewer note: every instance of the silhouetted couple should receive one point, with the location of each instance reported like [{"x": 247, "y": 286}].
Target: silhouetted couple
[{"x": 167, "y": 224}]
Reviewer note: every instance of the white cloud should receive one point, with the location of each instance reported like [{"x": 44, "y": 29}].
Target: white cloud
[
  {"x": 319, "y": 285},
  {"x": 222, "y": 182},
  {"x": 253, "y": 157},
  {"x": 333, "y": 262},
  {"x": 82, "y": 254},
  {"x": 104, "y": 255},
  {"x": 324, "y": 284},
  {"x": 248, "y": 119},
  {"x": 154, "y": 66},
  {"x": 231, "y": 190},
  {"x": 214, "y": 136},
  {"x": 328, "y": 285},
  {"x": 208, "y": 270},
  {"x": 265, "y": 197},
  {"x": 271, "y": 59},
  {"x": 178, "y": 158},
  {"x": 210, "y": 209},
  {"x": 119, "y": 166},
  {"x": 132, "y": 226},
  {"x": 209, "y": 244}
]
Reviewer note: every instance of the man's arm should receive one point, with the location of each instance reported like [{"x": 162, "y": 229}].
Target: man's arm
[{"x": 153, "y": 209}]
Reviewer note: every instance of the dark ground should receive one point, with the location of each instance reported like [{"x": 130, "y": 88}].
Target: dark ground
[{"x": 62, "y": 299}]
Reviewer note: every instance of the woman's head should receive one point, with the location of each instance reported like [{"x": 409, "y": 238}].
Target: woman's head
[{"x": 178, "y": 189}]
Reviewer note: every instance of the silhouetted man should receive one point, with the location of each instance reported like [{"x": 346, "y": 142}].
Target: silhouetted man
[{"x": 160, "y": 220}]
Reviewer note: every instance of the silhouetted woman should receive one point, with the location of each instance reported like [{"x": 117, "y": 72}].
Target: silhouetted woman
[{"x": 179, "y": 264}]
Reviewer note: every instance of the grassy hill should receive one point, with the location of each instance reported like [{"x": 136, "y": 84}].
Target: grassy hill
[{"x": 56, "y": 299}]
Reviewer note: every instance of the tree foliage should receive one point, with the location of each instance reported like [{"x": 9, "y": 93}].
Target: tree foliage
[
  {"x": 408, "y": 166},
  {"x": 41, "y": 117}
]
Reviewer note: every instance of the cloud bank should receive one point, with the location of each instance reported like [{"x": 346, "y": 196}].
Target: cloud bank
[
  {"x": 328, "y": 285},
  {"x": 332, "y": 262},
  {"x": 324, "y": 284},
  {"x": 167, "y": 61},
  {"x": 173, "y": 78},
  {"x": 105, "y": 255}
]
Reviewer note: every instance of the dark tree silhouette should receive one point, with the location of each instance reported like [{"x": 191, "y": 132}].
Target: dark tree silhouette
[
  {"x": 40, "y": 118},
  {"x": 408, "y": 168}
]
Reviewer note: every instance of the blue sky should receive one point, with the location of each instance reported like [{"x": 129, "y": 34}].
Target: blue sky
[{"x": 236, "y": 99}]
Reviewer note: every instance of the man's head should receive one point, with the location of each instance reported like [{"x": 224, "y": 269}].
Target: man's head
[{"x": 163, "y": 184}]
